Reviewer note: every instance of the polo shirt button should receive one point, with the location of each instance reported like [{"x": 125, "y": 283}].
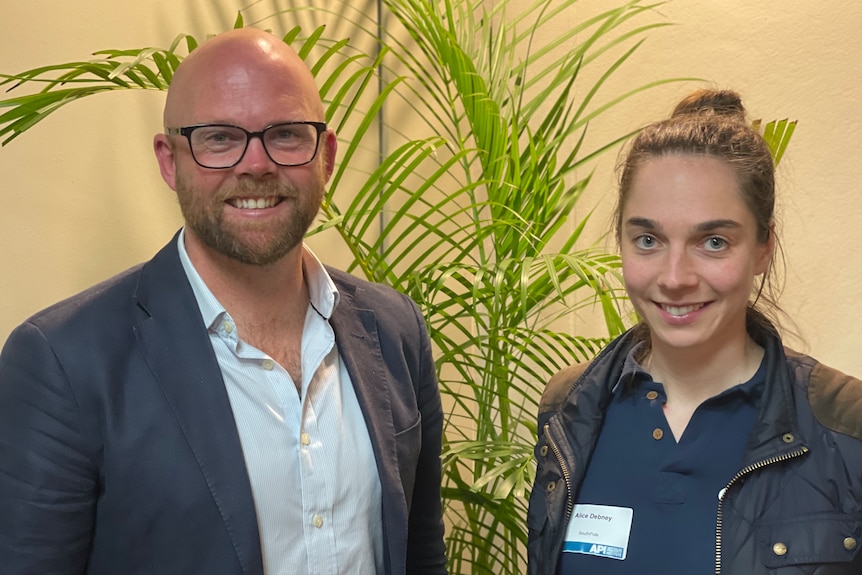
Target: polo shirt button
[
  {"x": 651, "y": 395},
  {"x": 543, "y": 451},
  {"x": 850, "y": 544},
  {"x": 779, "y": 549},
  {"x": 657, "y": 433}
]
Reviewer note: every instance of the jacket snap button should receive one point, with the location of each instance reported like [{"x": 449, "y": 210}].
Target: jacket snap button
[
  {"x": 850, "y": 544},
  {"x": 551, "y": 486},
  {"x": 779, "y": 549},
  {"x": 543, "y": 451},
  {"x": 787, "y": 438}
]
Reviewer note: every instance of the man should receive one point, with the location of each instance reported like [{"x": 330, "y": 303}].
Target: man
[{"x": 230, "y": 406}]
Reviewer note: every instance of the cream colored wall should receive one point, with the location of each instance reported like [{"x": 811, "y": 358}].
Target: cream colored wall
[{"x": 83, "y": 198}]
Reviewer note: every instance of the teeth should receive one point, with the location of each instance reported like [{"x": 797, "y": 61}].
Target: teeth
[
  {"x": 681, "y": 310},
  {"x": 254, "y": 204}
]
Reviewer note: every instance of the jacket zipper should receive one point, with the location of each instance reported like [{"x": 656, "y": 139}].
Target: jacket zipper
[
  {"x": 723, "y": 493},
  {"x": 570, "y": 504}
]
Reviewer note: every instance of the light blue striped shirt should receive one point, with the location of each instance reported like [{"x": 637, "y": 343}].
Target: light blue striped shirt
[{"x": 309, "y": 459}]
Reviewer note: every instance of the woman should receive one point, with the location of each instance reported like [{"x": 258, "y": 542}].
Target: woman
[{"x": 695, "y": 443}]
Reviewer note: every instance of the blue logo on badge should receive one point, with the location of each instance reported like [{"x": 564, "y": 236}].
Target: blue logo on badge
[{"x": 593, "y": 549}]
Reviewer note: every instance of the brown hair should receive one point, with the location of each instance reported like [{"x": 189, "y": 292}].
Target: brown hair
[{"x": 712, "y": 123}]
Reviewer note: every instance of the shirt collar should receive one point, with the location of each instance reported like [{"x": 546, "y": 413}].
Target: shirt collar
[
  {"x": 322, "y": 292},
  {"x": 633, "y": 374},
  {"x": 632, "y": 371}
]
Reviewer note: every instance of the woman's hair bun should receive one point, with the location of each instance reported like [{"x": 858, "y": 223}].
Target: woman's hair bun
[{"x": 725, "y": 103}]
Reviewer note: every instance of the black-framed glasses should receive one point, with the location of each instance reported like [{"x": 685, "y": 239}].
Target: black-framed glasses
[{"x": 222, "y": 146}]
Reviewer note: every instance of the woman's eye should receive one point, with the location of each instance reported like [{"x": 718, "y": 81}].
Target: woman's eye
[
  {"x": 645, "y": 242},
  {"x": 715, "y": 244}
]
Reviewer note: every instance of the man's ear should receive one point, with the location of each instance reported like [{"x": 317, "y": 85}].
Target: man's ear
[
  {"x": 330, "y": 146},
  {"x": 165, "y": 156}
]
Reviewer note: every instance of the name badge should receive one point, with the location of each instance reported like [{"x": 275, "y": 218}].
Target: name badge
[{"x": 599, "y": 530}]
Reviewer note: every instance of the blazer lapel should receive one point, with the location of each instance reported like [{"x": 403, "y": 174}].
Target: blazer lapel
[
  {"x": 176, "y": 346},
  {"x": 359, "y": 346}
]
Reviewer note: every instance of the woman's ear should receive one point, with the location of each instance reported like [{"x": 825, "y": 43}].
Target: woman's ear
[{"x": 768, "y": 250}]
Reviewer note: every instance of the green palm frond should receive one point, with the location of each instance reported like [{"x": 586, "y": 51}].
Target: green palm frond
[
  {"x": 777, "y": 134},
  {"x": 146, "y": 69}
]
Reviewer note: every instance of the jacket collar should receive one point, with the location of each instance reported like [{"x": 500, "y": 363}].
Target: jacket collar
[{"x": 585, "y": 398}]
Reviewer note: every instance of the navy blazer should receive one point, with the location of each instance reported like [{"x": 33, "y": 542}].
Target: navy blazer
[{"x": 118, "y": 449}]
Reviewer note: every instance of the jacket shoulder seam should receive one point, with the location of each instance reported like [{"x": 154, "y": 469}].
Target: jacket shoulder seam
[{"x": 836, "y": 400}]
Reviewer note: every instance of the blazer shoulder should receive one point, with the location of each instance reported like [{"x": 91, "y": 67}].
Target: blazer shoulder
[
  {"x": 126, "y": 297},
  {"x": 91, "y": 304},
  {"x": 834, "y": 396}
]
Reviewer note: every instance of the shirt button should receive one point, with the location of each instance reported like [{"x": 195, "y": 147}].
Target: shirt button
[
  {"x": 651, "y": 395},
  {"x": 657, "y": 433},
  {"x": 305, "y": 439},
  {"x": 317, "y": 521},
  {"x": 779, "y": 549},
  {"x": 228, "y": 327},
  {"x": 268, "y": 364}
]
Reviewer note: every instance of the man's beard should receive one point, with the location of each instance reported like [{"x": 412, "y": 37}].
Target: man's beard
[{"x": 205, "y": 217}]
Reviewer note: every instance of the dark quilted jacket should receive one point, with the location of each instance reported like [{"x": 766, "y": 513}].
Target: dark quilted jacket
[{"x": 795, "y": 507}]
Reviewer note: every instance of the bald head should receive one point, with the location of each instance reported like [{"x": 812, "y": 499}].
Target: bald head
[{"x": 242, "y": 75}]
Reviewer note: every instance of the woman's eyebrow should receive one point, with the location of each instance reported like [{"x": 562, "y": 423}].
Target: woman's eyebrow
[
  {"x": 711, "y": 225},
  {"x": 643, "y": 223},
  {"x": 706, "y": 226}
]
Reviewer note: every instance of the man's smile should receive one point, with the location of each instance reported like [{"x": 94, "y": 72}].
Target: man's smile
[{"x": 254, "y": 203}]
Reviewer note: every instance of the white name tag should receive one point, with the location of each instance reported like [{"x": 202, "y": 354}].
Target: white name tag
[{"x": 599, "y": 530}]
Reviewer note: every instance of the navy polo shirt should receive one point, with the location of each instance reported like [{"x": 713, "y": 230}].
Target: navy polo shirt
[{"x": 671, "y": 487}]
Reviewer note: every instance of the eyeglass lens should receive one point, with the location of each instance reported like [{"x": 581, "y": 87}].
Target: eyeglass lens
[{"x": 224, "y": 146}]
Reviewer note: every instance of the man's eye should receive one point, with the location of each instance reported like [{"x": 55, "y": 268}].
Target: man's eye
[
  {"x": 219, "y": 137},
  {"x": 289, "y": 138}
]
